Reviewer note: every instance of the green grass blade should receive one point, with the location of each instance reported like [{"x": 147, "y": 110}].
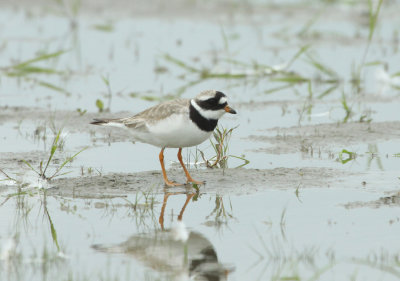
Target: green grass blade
[
  {"x": 7, "y": 176},
  {"x": 373, "y": 17},
  {"x": 39, "y": 58},
  {"x": 106, "y": 27},
  {"x": 276, "y": 89},
  {"x": 291, "y": 79},
  {"x": 323, "y": 68},
  {"x": 180, "y": 63},
  {"x": 53, "y": 150},
  {"x": 297, "y": 55},
  {"x": 207, "y": 75},
  {"x": 30, "y": 166},
  {"x": 328, "y": 91},
  {"x": 69, "y": 159},
  {"x": 26, "y": 70},
  {"x": 53, "y": 87},
  {"x": 240, "y": 158}
]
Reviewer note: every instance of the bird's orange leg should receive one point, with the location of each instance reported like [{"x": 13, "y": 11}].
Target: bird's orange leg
[
  {"x": 189, "y": 178},
  {"x": 166, "y": 180}
]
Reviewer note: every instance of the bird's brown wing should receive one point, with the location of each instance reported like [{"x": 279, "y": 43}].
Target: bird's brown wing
[{"x": 156, "y": 113}]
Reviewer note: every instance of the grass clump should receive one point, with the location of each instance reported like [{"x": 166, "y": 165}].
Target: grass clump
[
  {"x": 220, "y": 144},
  {"x": 43, "y": 166},
  {"x": 29, "y": 70}
]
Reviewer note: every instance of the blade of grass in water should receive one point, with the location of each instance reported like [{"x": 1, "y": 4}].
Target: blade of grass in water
[
  {"x": 241, "y": 158},
  {"x": 53, "y": 87},
  {"x": 207, "y": 75},
  {"x": 39, "y": 58},
  {"x": 30, "y": 166},
  {"x": 7, "y": 176},
  {"x": 276, "y": 89},
  {"x": 26, "y": 70},
  {"x": 180, "y": 63},
  {"x": 297, "y": 55},
  {"x": 323, "y": 68},
  {"x": 107, "y": 27},
  {"x": 374, "y": 63},
  {"x": 53, "y": 150},
  {"x": 373, "y": 17},
  {"x": 69, "y": 159},
  {"x": 291, "y": 79},
  {"x": 328, "y": 91}
]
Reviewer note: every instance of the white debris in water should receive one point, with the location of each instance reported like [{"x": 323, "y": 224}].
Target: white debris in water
[
  {"x": 280, "y": 67},
  {"x": 33, "y": 180},
  {"x": 385, "y": 80},
  {"x": 322, "y": 114},
  {"x": 8, "y": 249},
  {"x": 63, "y": 255},
  {"x": 179, "y": 231}
]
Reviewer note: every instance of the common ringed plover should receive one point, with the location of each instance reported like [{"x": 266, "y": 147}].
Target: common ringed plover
[{"x": 175, "y": 124}]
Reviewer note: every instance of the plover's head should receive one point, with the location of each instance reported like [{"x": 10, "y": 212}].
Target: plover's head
[{"x": 212, "y": 104}]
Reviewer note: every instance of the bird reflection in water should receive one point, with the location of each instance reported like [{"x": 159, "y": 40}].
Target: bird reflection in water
[{"x": 177, "y": 252}]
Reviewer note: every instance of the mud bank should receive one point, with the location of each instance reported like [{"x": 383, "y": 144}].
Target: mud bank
[
  {"x": 385, "y": 201},
  {"x": 326, "y": 136},
  {"x": 230, "y": 181}
]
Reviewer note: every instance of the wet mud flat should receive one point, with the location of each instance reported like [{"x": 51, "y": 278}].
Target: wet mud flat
[
  {"x": 228, "y": 182},
  {"x": 324, "y": 137}
]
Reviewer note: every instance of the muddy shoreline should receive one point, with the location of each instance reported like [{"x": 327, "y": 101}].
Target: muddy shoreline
[{"x": 222, "y": 182}]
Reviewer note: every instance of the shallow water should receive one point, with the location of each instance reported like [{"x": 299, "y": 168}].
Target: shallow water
[
  {"x": 266, "y": 235},
  {"x": 269, "y": 221}
]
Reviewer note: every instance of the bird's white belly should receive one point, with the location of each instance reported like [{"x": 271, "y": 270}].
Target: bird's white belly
[{"x": 175, "y": 131}]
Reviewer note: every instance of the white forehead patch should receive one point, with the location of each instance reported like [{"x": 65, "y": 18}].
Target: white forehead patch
[
  {"x": 205, "y": 95},
  {"x": 203, "y": 98},
  {"x": 222, "y": 100}
]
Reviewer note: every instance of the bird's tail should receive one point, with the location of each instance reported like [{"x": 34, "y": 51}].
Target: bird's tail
[
  {"x": 108, "y": 122},
  {"x": 100, "y": 121}
]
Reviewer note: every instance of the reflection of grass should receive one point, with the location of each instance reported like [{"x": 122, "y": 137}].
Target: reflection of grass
[
  {"x": 18, "y": 258},
  {"x": 220, "y": 214},
  {"x": 285, "y": 262},
  {"x": 374, "y": 154}
]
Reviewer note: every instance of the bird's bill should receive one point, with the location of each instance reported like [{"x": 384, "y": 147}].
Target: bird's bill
[{"x": 229, "y": 109}]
